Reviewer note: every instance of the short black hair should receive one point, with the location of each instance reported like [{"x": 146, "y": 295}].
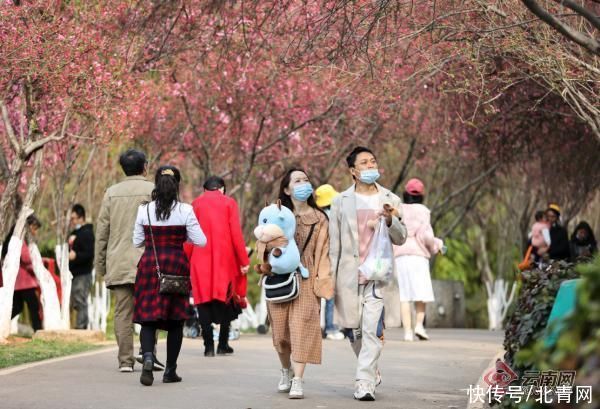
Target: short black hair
[
  {"x": 214, "y": 183},
  {"x": 411, "y": 199},
  {"x": 132, "y": 161},
  {"x": 34, "y": 221},
  {"x": 539, "y": 215},
  {"x": 79, "y": 210},
  {"x": 351, "y": 158}
]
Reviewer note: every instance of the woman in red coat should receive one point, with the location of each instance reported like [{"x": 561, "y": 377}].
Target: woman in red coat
[{"x": 218, "y": 270}]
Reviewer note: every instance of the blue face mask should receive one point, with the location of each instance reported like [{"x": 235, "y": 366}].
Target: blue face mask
[
  {"x": 369, "y": 176},
  {"x": 302, "y": 192}
]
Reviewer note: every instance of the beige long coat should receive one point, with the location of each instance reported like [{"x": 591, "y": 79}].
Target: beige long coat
[
  {"x": 115, "y": 256},
  {"x": 296, "y": 325},
  {"x": 344, "y": 257}
]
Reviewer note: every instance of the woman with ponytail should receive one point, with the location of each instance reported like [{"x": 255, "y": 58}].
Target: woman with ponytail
[{"x": 168, "y": 223}]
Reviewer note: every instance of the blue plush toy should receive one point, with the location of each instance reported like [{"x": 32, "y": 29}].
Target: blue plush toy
[{"x": 276, "y": 246}]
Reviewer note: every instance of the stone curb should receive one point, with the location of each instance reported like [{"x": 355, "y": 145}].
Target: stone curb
[{"x": 492, "y": 364}]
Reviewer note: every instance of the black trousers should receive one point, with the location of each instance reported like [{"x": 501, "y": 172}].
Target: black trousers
[
  {"x": 217, "y": 312},
  {"x": 174, "y": 339},
  {"x": 29, "y": 297}
]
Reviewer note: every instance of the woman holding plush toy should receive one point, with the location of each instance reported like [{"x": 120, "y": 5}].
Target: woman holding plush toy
[{"x": 296, "y": 324}]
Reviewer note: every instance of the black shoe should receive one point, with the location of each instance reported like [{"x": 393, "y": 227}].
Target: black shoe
[
  {"x": 170, "y": 376},
  {"x": 147, "y": 378},
  {"x": 157, "y": 365},
  {"x": 209, "y": 350},
  {"x": 224, "y": 350}
]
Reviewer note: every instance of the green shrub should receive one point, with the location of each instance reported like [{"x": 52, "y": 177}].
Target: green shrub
[
  {"x": 529, "y": 318},
  {"x": 578, "y": 345}
]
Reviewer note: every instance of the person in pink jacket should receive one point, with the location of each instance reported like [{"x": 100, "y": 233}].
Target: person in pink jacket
[{"x": 412, "y": 259}]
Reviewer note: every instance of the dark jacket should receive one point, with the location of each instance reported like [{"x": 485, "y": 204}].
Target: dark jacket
[
  {"x": 583, "y": 248},
  {"x": 559, "y": 243},
  {"x": 83, "y": 246}
]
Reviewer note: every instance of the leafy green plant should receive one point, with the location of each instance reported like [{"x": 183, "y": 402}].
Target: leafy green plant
[
  {"x": 529, "y": 318},
  {"x": 578, "y": 345}
]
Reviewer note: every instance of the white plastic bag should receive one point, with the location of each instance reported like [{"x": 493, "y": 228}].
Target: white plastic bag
[{"x": 379, "y": 261}]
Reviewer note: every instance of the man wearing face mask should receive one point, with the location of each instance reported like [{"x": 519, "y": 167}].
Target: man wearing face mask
[{"x": 359, "y": 303}]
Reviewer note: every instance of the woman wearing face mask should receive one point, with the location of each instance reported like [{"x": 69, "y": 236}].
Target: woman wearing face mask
[{"x": 296, "y": 324}]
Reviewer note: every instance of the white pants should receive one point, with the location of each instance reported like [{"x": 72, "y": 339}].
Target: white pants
[{"x": 366, "y": 344}]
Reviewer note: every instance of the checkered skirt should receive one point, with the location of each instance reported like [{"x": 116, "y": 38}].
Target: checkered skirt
[{"x": 149, "y": 305}]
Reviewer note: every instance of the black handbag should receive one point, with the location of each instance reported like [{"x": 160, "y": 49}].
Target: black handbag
[
  {"x": 280, "y": 288},
  {"x": 168, "y": 283}
]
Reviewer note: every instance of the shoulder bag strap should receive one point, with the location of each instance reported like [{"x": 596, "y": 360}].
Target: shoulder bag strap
[
  {"x": 152, "y": 238},
  {"x": 310, "y": 233},
  {"x": 312, "y": 229}
]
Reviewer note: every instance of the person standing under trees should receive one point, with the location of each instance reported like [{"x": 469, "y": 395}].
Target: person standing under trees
[
  {"x": 162, "y": 226},
  {"x": 325, "y": 195},
  {"x": 81, "y": 263},
  {"x": 116, "y": 258},
  {"x": 295, "y": 324},
  {"x": 583, "y": 242},
  {"x": 218, "y": 270},
  {"x": 26, "y": 284},
  {"x": 559, "y": 238},
  {"x": 412, "y": 259},
  {"x": 359, "y": 303},
  {"x": 540, "y": 235}
]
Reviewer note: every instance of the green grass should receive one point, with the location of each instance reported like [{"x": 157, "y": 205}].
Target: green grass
[{"x": 37, "y": 350}]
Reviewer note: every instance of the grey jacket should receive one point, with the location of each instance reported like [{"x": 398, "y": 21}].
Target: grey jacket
[
  {"x": 344, "y": 257},
  {"x": 115, "y": 256}
]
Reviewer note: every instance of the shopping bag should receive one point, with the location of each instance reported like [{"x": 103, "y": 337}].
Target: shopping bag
[{"x": 377, "y": 266}]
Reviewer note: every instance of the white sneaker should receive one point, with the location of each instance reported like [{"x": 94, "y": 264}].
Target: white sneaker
[
  {"x": 364, "y": 391},
  {"x": 408, "y": 335},
  {"x": 336, "y": 336},
  {"x": 420, "y": 333},
  {"x": 378, "y": 378},
  {"x": 297, "y": 389},
  {"x": 285, "y": 382},
  {"x": 126, "y": 369}
]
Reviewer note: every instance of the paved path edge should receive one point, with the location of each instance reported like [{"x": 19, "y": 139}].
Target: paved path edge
[
  {"x": 492, "y": 364},
  {"x": 22, "y": 367}
]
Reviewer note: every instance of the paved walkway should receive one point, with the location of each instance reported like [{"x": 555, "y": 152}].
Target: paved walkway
[{"x": 419, "y": 375}]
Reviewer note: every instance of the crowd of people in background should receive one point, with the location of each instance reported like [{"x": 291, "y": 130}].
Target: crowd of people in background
[
  {"x": 144, "y": 233},
  {"x": 549, "y": 240}
]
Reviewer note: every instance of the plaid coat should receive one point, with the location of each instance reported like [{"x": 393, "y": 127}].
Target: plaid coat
[{"x": 149, "y": 305}]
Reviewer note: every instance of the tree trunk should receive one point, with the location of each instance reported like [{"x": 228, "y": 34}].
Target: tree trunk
[
  {"x": 6, "y": 203},
  {"x": 10, "y": 269},
  {"x": 49, "y": 294},
  {"x": 66, "y": 278},
  {"x": 498, "y": 302}
]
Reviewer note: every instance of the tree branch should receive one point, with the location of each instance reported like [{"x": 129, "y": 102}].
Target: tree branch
[
  {"x": 406, "y": 166},
  {"x": 9, "y": 129},
  {"x": 582, "y": 11},
  {"x": 589, "y": 43},
  {"x": 465, "y": 187}
]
